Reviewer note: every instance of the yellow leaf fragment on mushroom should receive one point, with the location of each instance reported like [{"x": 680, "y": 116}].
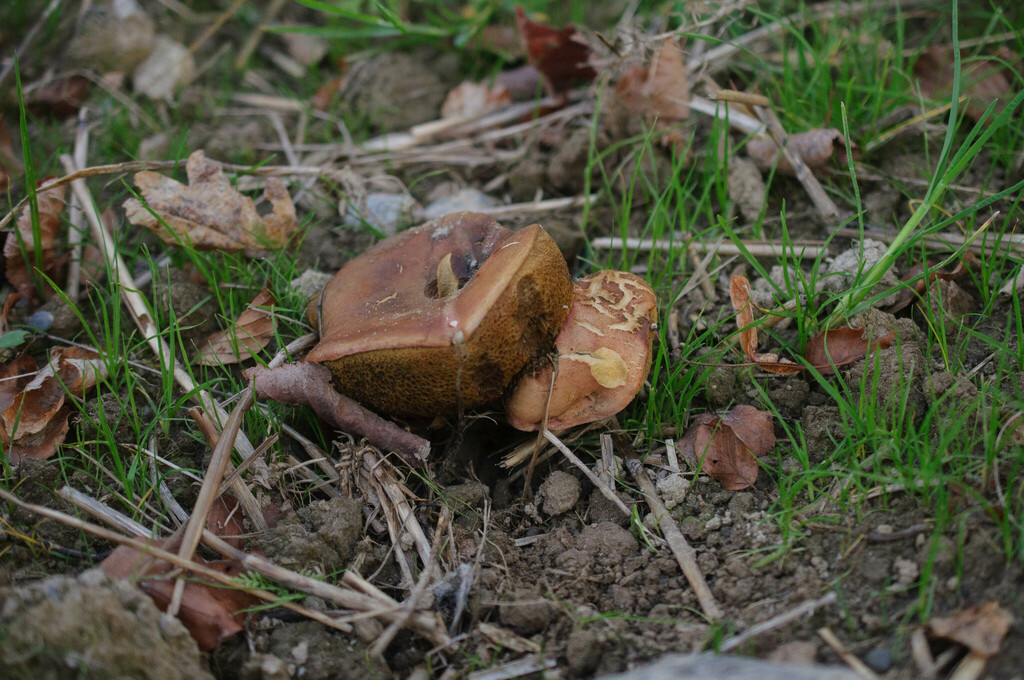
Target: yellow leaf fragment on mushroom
[{"x": 606, "y": 366}]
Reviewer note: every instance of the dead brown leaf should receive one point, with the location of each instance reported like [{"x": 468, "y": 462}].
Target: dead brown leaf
[
  {"x": 727, "y": 446},
  {"x": 225, "y": 520},
  {"x": 841, "y": 346},
  {"x": 34, "y": 421},
  {"x": 984, "y": 81},
  {"x": 660, "y": 93},
  {"x": 739, "y": 291},
  {"x": 20, "y": 248},
  {"x": 209, "y": 213},
  {"x": 250, "y": 333},
  {"x": 980, "y": 628},
  {"x": 60, "y": 98},
  {"x": 210, "y": 613},
  {"x": 559, "y": 54},
  {"x": 475, "y": 99},
  {"x": 815, "y": 147}
]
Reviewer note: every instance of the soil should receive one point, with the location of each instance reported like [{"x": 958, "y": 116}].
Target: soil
[{"x": 554, "y": 566}]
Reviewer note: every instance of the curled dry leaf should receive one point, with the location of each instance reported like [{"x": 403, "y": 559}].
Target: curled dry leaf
[
  {"x": 980, "y": 628},
  {"x": 984, "y": 81},
  {"x": 841, "y": 346},
  {"x": 211, "y": 614},
  {"x": 475, "y": 99},
  {"x": 559, "y": 54},
  {"x": 33, "y": 422},
  {"x": 250, "y": 333},
  {"x": 21, "y": 250},
  {"x": 209, "y": 213},
  {"x": 815, "y": 147},
  {"x": 727, "y": 446},
  {"x": 660, "y": 92},
  {"x": 308, "y": 384},
  {"x": 739, "y": 291}
]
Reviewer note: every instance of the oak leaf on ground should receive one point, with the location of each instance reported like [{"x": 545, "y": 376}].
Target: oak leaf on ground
[
  {"x": 980, "y": 628},
  {"x": 23, "y": 252},
  {"x": 34, "y": 407},
  {"x": 209, "y": 213},
  {"x": 659, "y": 92},
  {"x": 249, "y": 333},
  {"x": 726, "y": 446},
  {"x": 984, "y": 81},
  {"x": 841, "y": 346},
  {"x": 739, "y": 291},
  {"x": 560, "y": 54},
  {"x": 817, "y": 148}
]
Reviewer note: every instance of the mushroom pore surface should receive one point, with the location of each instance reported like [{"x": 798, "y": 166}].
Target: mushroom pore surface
[{"x": 393, "y": 342}]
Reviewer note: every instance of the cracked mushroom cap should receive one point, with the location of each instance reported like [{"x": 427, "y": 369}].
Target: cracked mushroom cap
[
  {"x": 441, "y": 317},
  {"x": 603, "y": 354}
]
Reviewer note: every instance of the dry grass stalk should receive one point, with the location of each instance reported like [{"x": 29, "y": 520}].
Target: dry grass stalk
[
  {"x": 171, "y": 558},
  {"x": 209, "y": 491},
  {"x": 807, "y": 250},
  {"x": 848, "y": 657},
  {"x": 117, "y": 270},
  {"x": 684, "y": 553},
  {"x": 101, "y": 512},
  {"x": 803, "y": 609}
]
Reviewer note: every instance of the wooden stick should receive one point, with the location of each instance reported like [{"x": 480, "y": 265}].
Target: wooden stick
[
  {"x": 118, "y": 271},
  {"x": 101, "y": 511},
  {"x": 851, "y": 660},
  {"x": 209, "y": 490},
  {"x": 594, "y": 479},
  {"x": 684, "y": 553}
]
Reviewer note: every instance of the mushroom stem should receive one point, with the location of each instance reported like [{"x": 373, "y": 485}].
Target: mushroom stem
[{"x": 447, "y": 281}]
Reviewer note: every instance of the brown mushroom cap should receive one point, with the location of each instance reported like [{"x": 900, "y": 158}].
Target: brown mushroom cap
[
  {"x": 393, "y": 343},
  {"x": 604, "y": 354}
]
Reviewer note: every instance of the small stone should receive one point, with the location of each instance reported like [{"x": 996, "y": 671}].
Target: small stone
[
  {"x": 559, "y": 493},
  {"x": 469, "y": 199},
  {"x": 879, "y": 659},
  {"x": 383, "y": 212},
  {"x": 714, "y": 524}
]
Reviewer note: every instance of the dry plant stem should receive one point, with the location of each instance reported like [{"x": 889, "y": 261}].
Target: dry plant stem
[
  {"x": 684, "y": 553},
  {"x": 169, "y": 557},
  {"x": 395, "y": 492},
  {"x": 804, "y": 609},
  {"x": 526, "y": 665},
  {"x": 807, "y": 250},
  {"x": 594, "y": 479},
  {"x": 208, "y": 492},
  {"x": 117, "y": 270},
  {"x": 848, "y": 657},
  {"x": 381, "y": 605},
  {"x": 215, "y": 26},
  {"x": 102, "y": 512},
  {"x": 826, "y": 208},
  {"x": 377, "y": 650},
  {"x": 77, "y": 211},
  {"x": 254, "y": 38}
]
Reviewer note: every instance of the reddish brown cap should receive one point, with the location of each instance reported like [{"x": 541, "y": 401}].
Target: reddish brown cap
[
  {"x": 604, "y": 354},
  {"x": 393, "y": 343}
]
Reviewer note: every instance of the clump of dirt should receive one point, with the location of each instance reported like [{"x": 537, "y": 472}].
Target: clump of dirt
[
  {"x": 91, "y": 627},
  {"x": 307, "y": 650},
  {"x": 559, "y": 493},
  {"x": 319, "y": 536}
]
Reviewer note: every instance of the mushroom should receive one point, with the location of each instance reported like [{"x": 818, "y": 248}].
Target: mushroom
[
  {"x": 603, "y": 356},
  {"x": 441, "y": 317}
]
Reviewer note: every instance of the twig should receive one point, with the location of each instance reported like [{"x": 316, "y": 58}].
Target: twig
[
  {"x": 851, "y": 660},
  {"x": 102, "y": 512},
  {"x": 215, "y": 26},
  {"x": 27, "y": 40},
  {"x": 803, "y": 609},
  {"x": 118, "y": 271},
  {"x": 208, "y": 492},
  {"x": 257, "y": 34},
  {"x": 594, "y": 479},
  {"x": 514, "y": 669},
  {"x": 166, "y": 497},
  {"x": 77, "y": 211},
  {"x": 826, "y": 208},
  {"x": 807, "y": 250},
  {"x": 377, "y": 650},
  {"x": 169, "y": 557},
  {"x": 684, "y": 553}
]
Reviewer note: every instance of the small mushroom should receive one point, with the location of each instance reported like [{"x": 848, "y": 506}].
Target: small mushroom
[
  {"x": 441, "y": 317},
  {"x": 603, "y": 356}
]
